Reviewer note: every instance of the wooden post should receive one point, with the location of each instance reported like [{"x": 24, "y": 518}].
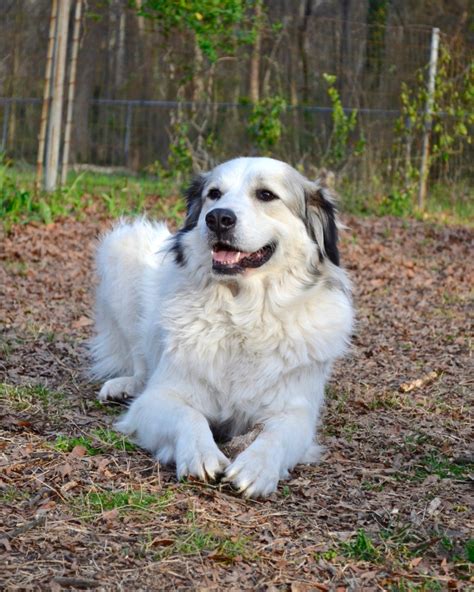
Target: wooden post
[
  {"x": 46, "y": 94},
  {"x": 255, "y": 57},
  {"x": 56, "y": 113},
  {"x": 6, "y": 116},
  {"x": 71, "y": 91},
  {"x": 425, "y": 154}
]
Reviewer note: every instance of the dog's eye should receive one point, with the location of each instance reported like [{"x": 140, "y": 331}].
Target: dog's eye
[
  {"x": 214, "y": 194},
  {"x": 265, "y": 195}
]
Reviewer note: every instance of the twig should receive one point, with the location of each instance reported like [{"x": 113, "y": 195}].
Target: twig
[
  {"x": 26, "y": 527},
  {"x": 81, "y": 583}
]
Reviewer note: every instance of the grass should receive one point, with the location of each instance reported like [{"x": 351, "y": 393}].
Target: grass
[
  {"x": 198, "y": 541},
  {"x": 67, "y": 444},
  {"x": 435, "y": 463},
  {"x": 405, "y": 585},
  {"x": 451, "y": 203},
  {"x": 114, "y": 440},
  {"x": 101, "y": 441},
  {"x": 119, "y": 195},
  {"x": 113, "y": 195},
  {"x": 95, "y": 503},
  {"x": 361, "y": 548},
  {"x": 26, "y": 397}
]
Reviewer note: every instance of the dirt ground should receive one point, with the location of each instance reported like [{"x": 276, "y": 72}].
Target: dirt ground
[{"x": 388, "y": 508}]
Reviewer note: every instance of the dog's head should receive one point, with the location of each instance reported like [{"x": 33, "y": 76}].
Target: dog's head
[{"x": 258, "y": 213}]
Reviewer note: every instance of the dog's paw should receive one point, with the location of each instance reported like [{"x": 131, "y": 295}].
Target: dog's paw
[
  {"x": 204, "y": 461},
  {"x": 118, "y": 389},
  {"x": 253, "y": 473}
]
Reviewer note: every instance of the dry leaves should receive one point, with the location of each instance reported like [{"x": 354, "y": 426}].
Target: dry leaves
[{"x": 388, "y": 506}]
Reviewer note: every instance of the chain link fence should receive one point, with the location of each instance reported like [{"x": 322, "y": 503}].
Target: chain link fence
[{"x": 137, "y": 97}]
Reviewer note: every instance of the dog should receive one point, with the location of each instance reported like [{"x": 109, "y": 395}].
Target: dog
[{"x": 233, "y": 321}]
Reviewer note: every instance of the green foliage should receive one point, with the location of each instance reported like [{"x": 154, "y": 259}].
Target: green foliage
[
  {"x": 344, "y": 124},
  {"x": 218, "y": 25},
  {"x": 470, "y": 550},
  {"x": 113, "y": 439},
  {"x": 97, "y": 502},
  {"x": 361, "y": 547},
  {"x": 436, "y": 464},
  {"x": 265, "y": 125},
  {"x": 101, "y": 440},
  {"x": 198, "y": 541},
  {"x": 396, "y": 203},
  {"x": 451, "y": 119},
  {"x": 15, "y": 199},
  {"x": 25, "y": 397},
  {"x": 67, "y": 444},
  {"x": 179, "y": 164}
]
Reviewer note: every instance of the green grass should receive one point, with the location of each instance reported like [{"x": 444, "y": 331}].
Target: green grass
[
  {"x": 201, "y": 542},
  {"x": 25, "y": 397},
  {"x": 469, "y": 549},
  {"x": 114, "y": 440},
  {"x": 435, "y": 463},
  {"x": 67, "y": 444},
  {"x": 404, "y": 585},
  {"x": 446, "y": 203},
  {"x": 102, "y": 440},
  {"x": 361, "y": 548},
  {"x": 11, "y": 494},
  {"x": 94, "y": 503},
  {"x": 111, "y": 195},
  {"x": 117, "y": 195}
]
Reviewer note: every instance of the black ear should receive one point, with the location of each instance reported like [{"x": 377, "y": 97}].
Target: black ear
[
  {"x": 194, "y": 202},
  {"x": 321, "y": 219}
]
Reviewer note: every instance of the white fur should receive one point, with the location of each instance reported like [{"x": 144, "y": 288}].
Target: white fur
[{"x": 198, "y": 348}]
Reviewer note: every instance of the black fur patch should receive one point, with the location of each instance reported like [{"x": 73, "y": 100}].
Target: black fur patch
[
  {"x": 193, "y": 209},
  {"x": 326, "y": 212},
  {"x": 222, "y": 432},
  {"x": 330, "y": 230}
]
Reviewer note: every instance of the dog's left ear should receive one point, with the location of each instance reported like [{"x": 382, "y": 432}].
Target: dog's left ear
[{"x": 321, "y": 217}]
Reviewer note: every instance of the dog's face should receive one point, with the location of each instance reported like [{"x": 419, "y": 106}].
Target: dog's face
[{"x": 256, "y": 213}]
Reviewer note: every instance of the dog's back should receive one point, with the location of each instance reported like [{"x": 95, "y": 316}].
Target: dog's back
[{"x": 123, "y": 256}]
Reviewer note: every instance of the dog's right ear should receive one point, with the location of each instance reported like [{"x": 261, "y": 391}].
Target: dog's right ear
[{"x": 194, "y": 201}]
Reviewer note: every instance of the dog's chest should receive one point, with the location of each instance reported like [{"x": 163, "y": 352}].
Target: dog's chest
[{"x": 232, "y": 345}]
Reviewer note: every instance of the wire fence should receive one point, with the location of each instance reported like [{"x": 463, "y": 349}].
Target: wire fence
[{"x": 136, "y": 94}]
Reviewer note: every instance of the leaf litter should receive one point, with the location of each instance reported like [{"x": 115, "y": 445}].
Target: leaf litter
[{"x": 388, "y": 508}]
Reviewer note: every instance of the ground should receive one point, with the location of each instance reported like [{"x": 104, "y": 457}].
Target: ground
[{"x": 387, "y": 508}]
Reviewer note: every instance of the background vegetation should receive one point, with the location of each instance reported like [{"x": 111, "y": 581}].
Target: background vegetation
[{"x": 167, "y": 88}]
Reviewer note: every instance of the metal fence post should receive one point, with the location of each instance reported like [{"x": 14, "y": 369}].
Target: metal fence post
[
  {"x": 6, "y": 117},
  {"x": 128, "y": 134},
  {"x": 425, "y": 154}
]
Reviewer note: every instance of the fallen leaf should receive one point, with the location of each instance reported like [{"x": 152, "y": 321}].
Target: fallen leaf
[{"x": 78, "y": 451}]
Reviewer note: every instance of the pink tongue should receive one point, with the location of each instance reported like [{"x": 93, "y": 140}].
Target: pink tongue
[{"x": 228, "y": 257}]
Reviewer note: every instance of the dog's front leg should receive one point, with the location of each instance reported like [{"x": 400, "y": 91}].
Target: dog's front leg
[
  {"x": 162, "y": 422},
  {"x": 286, "y": 439}
]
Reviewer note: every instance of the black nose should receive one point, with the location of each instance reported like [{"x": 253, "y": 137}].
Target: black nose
[{"x": 220, "y": 220}]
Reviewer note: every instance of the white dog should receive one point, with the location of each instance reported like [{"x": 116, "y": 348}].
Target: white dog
[{"x": 233, "y": 321}]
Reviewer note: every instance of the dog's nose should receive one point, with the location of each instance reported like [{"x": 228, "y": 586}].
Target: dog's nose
[{"x": 219, "y": 220}]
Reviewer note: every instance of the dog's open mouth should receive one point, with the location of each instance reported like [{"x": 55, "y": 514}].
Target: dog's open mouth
[{"x": 227, "y": 259}]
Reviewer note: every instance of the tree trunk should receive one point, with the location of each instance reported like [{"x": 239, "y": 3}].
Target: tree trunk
[
  {"x": 46, "y": 94},
  {"x": 56, "y": 113},
  {"x": 254, "y": 79},
  {"x": 71, "y": 90}
]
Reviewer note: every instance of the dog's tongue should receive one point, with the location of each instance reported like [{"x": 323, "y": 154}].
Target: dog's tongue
[{"x": 228, "y": 257}]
